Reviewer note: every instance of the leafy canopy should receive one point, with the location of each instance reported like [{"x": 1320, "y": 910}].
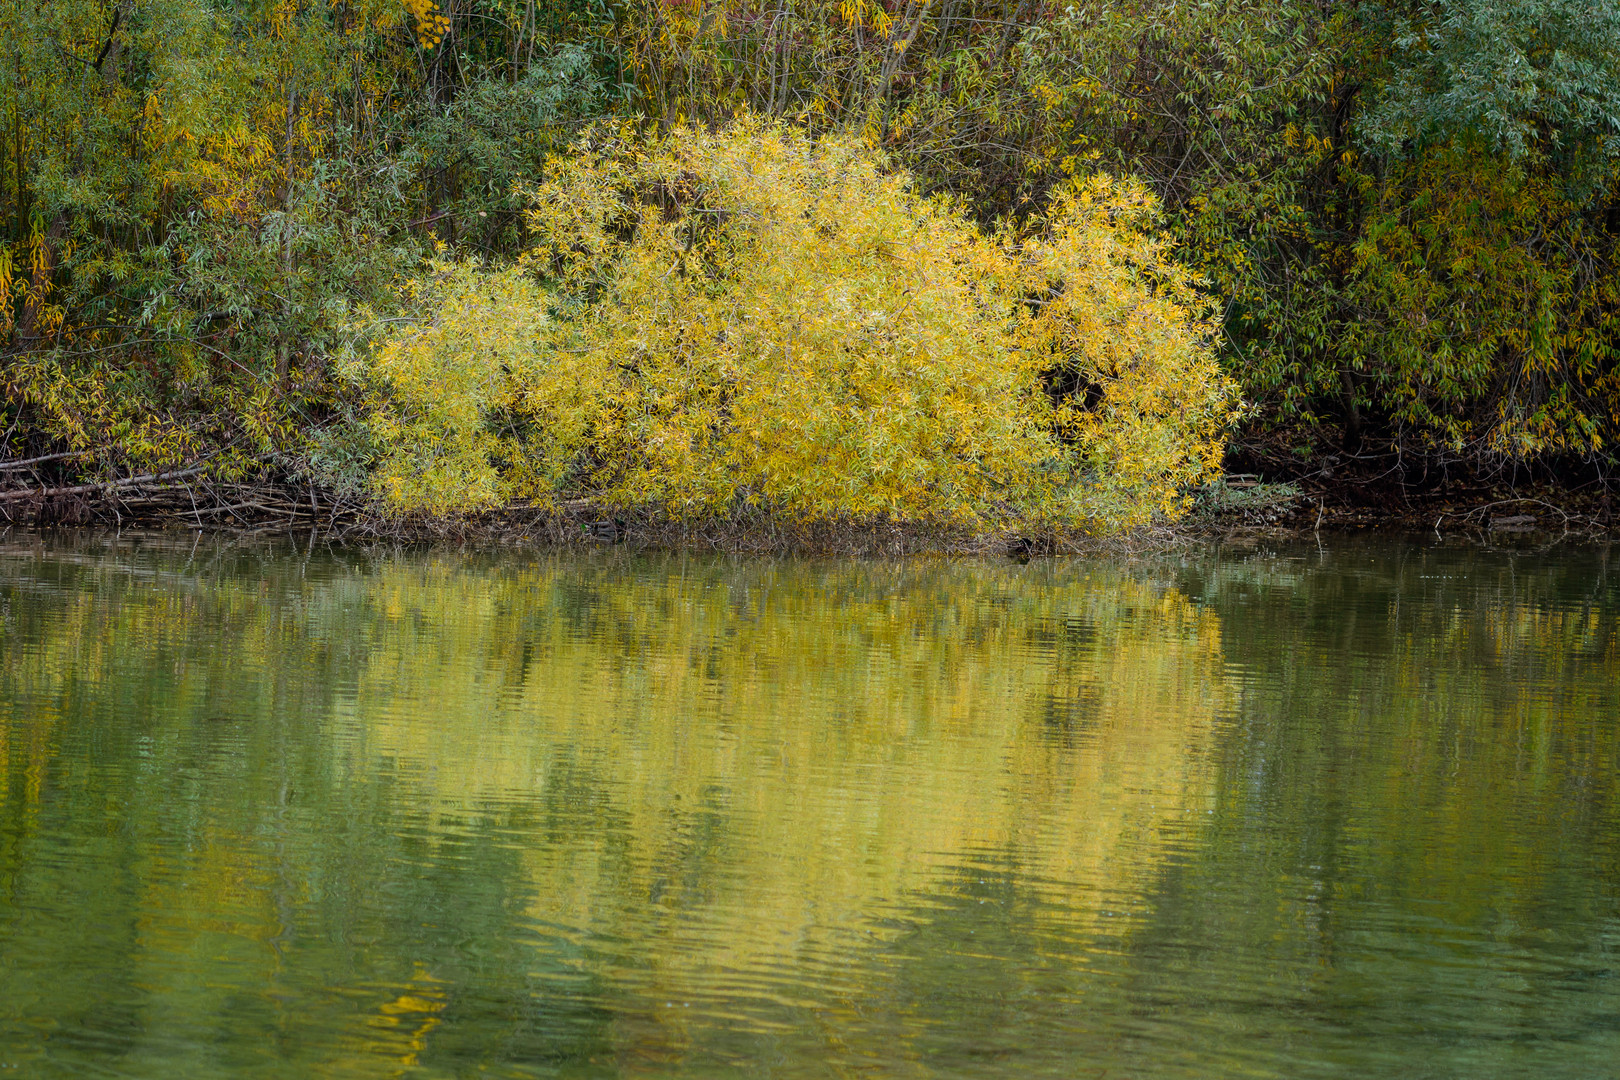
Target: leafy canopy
[{"x": 1521, "y": 76}]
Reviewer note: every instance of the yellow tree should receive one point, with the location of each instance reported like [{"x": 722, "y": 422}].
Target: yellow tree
[{"x": 751, "y": 322}]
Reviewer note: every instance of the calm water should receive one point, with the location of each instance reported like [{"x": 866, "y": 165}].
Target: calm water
[{"x": 1350, "y": 811}]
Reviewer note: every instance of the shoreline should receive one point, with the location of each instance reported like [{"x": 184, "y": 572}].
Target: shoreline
[
  {"x": 1238, "y": 507},
  {"x": 1352, "y": 508}
]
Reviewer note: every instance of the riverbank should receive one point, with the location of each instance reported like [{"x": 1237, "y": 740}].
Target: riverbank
[
  {"x": 179, "y": 501},
  {"x": 1348, "y": 501},
  {"x": 1239, "y": 504}
]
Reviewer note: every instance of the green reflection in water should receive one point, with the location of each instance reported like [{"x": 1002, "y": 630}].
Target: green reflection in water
[{"x": 1333, "y": 813}]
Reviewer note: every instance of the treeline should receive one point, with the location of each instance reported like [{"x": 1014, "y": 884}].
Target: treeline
[{"x": 230, "y": 223}]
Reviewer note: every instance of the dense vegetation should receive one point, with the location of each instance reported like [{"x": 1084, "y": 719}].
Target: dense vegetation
[{"x": 951, "y": 260}]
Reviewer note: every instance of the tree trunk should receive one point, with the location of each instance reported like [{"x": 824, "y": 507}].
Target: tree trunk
[{"x": 1352, "y": 412}]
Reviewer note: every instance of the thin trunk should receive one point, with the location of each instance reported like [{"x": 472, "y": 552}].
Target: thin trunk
[
  {"x": 1352, "y": 412},
  {"x": 780, "y": 101},
  {"x": 284, "y": 347},
  {"x": 107, "y": 62},
  {"x": 897, "y": 48}
]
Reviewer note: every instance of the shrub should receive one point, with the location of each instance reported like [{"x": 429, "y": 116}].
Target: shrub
[{"x": 749, "y": 322}]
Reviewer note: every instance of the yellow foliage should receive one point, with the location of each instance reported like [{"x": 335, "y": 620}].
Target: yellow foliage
[
  {"x": 1125, "y": 320},
  {"x": 448, "y": 381},
  {"x": 431, "y": 23},
  {"x": 750, "y": 322}
]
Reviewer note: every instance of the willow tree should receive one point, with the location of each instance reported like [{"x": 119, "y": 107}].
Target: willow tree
[{"x": 749, "y": 322}]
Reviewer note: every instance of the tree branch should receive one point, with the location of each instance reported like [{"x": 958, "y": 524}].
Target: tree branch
[{"x": 82, "y": 489}]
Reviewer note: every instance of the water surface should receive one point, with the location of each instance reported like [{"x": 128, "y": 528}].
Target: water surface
[{"x": 1345, "y": 810}]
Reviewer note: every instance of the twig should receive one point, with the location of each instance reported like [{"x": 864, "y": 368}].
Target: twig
[
  {"x": 241, "y": 506},
  {"x": 427, "y": 220},
  {"x": 1514, "y": 502}
]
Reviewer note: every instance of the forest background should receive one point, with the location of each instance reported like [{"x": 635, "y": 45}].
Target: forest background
[{"x": 441, "y": 258}]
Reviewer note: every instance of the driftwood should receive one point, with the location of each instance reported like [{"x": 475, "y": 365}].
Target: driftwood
[
  {"x": 26, "y": 462},
  {"x": 108, "y": 485},
  {"x": 178, "y": 497}
]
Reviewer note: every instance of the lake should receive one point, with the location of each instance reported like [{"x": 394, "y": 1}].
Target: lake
[{"x": 1336, "y": 809}]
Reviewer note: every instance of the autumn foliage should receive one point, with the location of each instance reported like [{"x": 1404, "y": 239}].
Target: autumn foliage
[
  {"x": 971, "y": 267},
  {"x": 751, "y": 322}
]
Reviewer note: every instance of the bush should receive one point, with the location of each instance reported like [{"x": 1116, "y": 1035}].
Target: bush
[{"x": 748, "y": 322}]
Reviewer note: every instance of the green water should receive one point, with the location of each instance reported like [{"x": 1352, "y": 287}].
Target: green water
[{"x": 1349, "y": 810}]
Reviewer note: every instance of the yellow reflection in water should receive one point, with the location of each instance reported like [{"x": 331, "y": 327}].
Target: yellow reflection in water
[
  {"x": 349, "y": 817},
  {"x": 781, "y": 748}
]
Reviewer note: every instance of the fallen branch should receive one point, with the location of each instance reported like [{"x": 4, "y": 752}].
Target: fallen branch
[
  {"x": 25, "y": 462},
  {"x": 284, "y": 509},
  {"x": 110, "y": 485}
]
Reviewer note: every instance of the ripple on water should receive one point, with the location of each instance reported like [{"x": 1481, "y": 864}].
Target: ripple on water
[{"x": 1340, "y": 812}]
